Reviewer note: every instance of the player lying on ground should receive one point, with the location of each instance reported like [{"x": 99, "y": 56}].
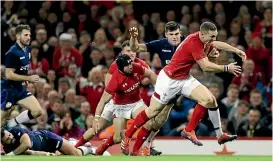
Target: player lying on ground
[
  {"x": 124, "y": 88},
  {"x": 13, "y": 91},
  {"x": 175, "y": 79},
  {"x": 19, "y": 141},
  {"x": 166, "y": 48},
  {"x": 108, "y": 110}
]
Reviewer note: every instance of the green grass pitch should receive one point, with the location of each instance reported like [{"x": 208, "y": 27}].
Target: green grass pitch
[{"x": 131, "y": 158}]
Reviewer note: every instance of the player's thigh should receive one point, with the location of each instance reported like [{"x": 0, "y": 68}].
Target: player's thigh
[
  {"x": 155, "y": 108},
  {"x": 203, "y": 96},
  {"x": 164, "y": 114},
  {"x": 166, "y": 88},
  {"x": 68, "y": 149},
  {"x": 30, "y": 103},
  {"x": 139, "y": 107}
]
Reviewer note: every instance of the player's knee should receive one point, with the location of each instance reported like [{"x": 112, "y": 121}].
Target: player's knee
[
  {"x": 207, "y": 102},
  {"x": 117, "y": 138},
  {"x": 37, "y": 112}
]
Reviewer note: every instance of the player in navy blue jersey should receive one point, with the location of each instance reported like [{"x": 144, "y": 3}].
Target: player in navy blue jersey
[
  {"x": 20, "y": 141},
  {"x": 13, "y": 91}
]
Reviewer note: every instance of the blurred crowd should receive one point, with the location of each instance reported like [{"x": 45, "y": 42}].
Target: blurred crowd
[{"x": 74, "y": 43}]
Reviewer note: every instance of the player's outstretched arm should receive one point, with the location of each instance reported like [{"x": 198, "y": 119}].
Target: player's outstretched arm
[
  {"x": 151, "y": 75},
  {"x": 10, "y": 75},
  {"x": 105, "y": 98},
  {"x": 134, "y": 45},
  {"x": 38, "y": 153},
  {"x": 224, "y": 46},
  {"x": 208, "y": 66},
  {"x": 25, "y": 144}
]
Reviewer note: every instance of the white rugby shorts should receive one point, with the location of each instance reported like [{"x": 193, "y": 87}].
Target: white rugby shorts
[{"x": 167, "y": 88}]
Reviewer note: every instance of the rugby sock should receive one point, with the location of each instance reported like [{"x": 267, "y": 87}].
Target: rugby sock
[
  {"x": 110, "y": 141},
  {"x": 140, "y": 120},
  {"x": 86, "y": 150},
  {"x": 106, "y": 144},
  {"x": 141, "y": 137},
  {"x": 148, "y": 141},
  {"x": 198, "y": 113},
  {"x": 22, "y": 117},
  {"x": 214, "y": 116},
  {"x": 80, "y": 142}
]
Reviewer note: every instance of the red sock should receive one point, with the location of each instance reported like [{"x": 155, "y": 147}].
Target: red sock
[
  {"x": 81, "y": 142},
  {"x": 198, "y": 113},
  {"x": 110, "y": 141},
  {"x": 141, "y": 137},
  {"x": 140, "y": 120}
]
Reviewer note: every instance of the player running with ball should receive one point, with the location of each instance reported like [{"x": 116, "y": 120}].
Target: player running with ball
[{"x": 175, "y": 79}]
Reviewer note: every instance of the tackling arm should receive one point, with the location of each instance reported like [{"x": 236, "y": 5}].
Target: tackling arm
[
  {"x": 151, "y": 75},
  {"x": 136, "y": 47}
]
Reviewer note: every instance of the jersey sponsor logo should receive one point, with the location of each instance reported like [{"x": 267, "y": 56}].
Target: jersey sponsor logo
[
  {"x": 26, "y": 67},
  {"x": 132, "y": 88},
  {"x": 22, "y": 57},
  {"x": 164, "y": 50},
  {"x": 8, "y": 105}
]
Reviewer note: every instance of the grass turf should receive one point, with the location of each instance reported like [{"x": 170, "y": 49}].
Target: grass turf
[{"x": 131, "y": 158}]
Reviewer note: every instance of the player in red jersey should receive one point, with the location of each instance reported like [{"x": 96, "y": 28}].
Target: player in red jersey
[
  {"x": 123, "y": 87},
  {"x": 107, "y": 114},
  {"x": 175, "y": 79}
]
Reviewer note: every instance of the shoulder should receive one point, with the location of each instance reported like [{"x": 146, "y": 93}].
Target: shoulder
[
  {"x": 141, "y": 62},
  {"x": 157, "y": 41},
  {"x": 113, "y": 67},
  {"x": 137, "y": 68}
]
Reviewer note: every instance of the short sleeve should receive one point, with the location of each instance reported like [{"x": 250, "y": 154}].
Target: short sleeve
[
  {"x": 112, "y": 86},
  {"x": 139, "y": 69},
  {"x": 11, "y": 60},
  {"x": 198, "y": 52},
  {"x": 112, "y": 68},
  {"x": 153, "y": 46}
]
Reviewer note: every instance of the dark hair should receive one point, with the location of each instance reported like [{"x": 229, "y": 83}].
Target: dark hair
[
  {"x": 125, "y": 43},
  {"x": 20, "y": 28},
  {"x": 208, "y": 26},
  {"x": 171, "y": 26}
]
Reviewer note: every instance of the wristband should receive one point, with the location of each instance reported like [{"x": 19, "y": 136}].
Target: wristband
[
  {"x": 225, "y": 68},
  {"x": 98, "y": 116},
  {"x": 11, "y": 153}
]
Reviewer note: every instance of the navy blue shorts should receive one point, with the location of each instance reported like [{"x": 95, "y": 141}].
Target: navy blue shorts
[
  {"x": 10, "y": 96},
  {"x": 53, "y": 142}
]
